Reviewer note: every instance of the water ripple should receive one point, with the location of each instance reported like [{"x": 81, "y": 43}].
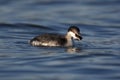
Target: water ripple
[{"x": 97, "y": 56}]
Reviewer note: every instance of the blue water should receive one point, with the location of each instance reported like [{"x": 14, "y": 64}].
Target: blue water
[{"x": 96, "y": 57}]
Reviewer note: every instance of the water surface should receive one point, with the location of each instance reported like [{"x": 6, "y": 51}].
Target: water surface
[{"x": 96, "y": 57}]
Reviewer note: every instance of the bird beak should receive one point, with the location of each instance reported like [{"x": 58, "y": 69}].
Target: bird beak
[{"x": 79, "y": 37}]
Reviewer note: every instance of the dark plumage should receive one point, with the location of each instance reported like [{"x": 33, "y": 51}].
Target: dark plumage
[{"x": 52, "y": 39}]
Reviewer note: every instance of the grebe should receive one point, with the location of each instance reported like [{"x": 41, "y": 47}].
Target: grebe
[{"x": 52, "y": 39}]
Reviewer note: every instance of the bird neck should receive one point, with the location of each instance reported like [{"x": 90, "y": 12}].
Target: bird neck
[{"x": 69, "y": 39}]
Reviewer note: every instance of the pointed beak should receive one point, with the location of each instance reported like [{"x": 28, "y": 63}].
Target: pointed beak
[{"x": 79, "y": 37}]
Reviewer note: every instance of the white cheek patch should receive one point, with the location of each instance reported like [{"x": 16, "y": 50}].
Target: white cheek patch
[{"x": 72, "y": 35}]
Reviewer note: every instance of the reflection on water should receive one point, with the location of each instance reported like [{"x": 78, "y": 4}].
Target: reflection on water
[
  {"x": 73, "y": 50},
  {"x": 97, "y": 56}
]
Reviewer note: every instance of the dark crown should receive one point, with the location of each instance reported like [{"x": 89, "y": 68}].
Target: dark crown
[{"x": 71, "y": 28}]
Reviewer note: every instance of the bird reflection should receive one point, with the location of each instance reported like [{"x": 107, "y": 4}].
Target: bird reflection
[{"x": 73, "y": 49}]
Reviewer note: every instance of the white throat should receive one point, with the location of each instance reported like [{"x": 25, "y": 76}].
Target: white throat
[{"x": 69, "y": 37}]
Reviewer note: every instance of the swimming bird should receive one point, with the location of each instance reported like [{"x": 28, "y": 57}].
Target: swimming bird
[{"x": 52, "y": 39}]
